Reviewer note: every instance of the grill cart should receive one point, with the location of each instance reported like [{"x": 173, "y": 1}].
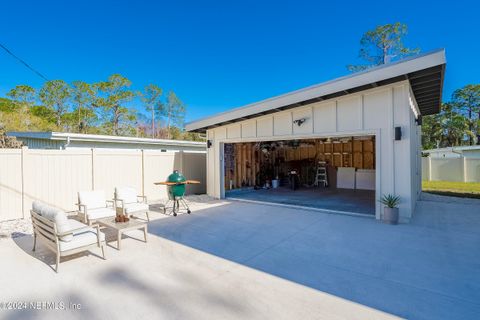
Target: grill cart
[{"x": 176, "y": 185}]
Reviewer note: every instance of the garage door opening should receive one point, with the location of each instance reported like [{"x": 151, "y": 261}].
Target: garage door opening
[{"x": 335, "y": 174}]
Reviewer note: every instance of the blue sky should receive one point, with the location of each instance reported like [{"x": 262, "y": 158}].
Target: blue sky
[{"x": 217, "y": 55}]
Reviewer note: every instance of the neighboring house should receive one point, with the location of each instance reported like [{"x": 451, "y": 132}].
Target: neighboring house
[
  {"x": 61, "y": 140},
  {"x": 366, "y": 126},
  {"x": 454, "y": 152}
]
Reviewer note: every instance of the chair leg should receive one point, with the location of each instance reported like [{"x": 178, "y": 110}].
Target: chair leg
[
  {"x": 103, "y": 252},
  {"x": 58, "y": 262},
  {"x": 148, "y": 218},
  {"x": 34, "y": 241}
]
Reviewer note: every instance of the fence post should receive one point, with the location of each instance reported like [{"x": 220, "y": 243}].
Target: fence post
[
  {"x": 429, "y": 168},
  {"x": 93, "y": 169},
  {"x": 465, "y": 173},
  {"x": 182, "y": 155},
  {"x": 143, "y": 172},
  {"x": 22, "y": 175}
]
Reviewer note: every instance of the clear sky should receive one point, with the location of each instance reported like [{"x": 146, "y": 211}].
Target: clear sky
[{"x": 217, "y": 55}]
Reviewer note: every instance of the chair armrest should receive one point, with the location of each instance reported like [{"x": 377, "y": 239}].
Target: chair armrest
[
  {"x": 144, "y": 198},
  {"x": 112, "y": 202},
  {"x": 122, "y": 203},
  {"x": 84, "y": 211}
]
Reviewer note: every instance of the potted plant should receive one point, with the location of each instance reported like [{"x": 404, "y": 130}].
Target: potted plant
[{"x": 390, "y": 212}]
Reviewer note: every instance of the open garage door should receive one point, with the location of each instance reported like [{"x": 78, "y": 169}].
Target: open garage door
[{"x": 335, "y": 174}]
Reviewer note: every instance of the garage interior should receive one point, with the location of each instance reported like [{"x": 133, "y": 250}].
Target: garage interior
[{"x": 333, "y": 173}]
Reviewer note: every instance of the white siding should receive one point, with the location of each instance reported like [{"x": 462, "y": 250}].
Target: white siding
[
  {"x": 265, "y": 127},
  {"x": 325, "y": 117},
  {"x": 249, "y": 129},
  {"x": 349, "y": 113},
  {"x": 374, "y": 112},
  {"x": 234, "y": 131},
  {"x": 282, "y": 124}
]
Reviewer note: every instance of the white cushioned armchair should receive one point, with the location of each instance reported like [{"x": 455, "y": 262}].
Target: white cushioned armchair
[
  {"x": 128, "y": 199},
  {"x": 93, "y": 205},
  {"x": 61, "y": 235}
]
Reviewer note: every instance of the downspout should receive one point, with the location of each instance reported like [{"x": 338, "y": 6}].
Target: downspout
[{"x": 67, "y": 143}]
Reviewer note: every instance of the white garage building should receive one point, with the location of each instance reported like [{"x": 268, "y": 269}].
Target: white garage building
[{"x": 363, "y": 130}]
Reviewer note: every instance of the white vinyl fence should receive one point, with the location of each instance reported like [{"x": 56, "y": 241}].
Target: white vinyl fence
[
  {"x": 55, "y": 176},
  {"x": 455, "y": 169}
]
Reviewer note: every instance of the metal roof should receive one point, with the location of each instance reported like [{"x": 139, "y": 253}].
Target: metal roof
[
  {"x": 425, "y": 73},
  {"x": 64, "y": 136}
]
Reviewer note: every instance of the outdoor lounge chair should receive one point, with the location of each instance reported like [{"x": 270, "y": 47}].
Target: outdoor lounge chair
[
  {"x": 130, "y": 202},
  {"x": 61, "y": 235},
  {"x": 93, "y": 205}
]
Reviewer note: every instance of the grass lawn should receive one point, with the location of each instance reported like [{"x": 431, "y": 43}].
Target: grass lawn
[{"x": 459, "y": 189}]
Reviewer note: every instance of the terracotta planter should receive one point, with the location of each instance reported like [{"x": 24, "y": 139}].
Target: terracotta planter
[{"x": 390, "y": 215}]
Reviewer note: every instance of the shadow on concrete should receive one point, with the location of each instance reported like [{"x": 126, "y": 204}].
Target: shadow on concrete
[
  {"x": 416, "y": 271},
  {"x": 43, "y": 254}
]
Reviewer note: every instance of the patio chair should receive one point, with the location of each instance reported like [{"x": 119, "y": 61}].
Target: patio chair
[
  {"x": 61, "y": 235},
  {"x": 130, "y": 201},
  {"x": 93, "y": 205}
]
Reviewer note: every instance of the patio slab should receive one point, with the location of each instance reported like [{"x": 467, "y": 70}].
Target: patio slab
[{"x": 248, "y": 261}]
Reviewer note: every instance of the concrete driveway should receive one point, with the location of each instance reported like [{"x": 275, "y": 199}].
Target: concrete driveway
[{"x": 233, "y": 260}]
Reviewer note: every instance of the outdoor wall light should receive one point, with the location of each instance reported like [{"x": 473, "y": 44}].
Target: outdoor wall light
[
  {"x": 300, "y": 121},
  {"x": 419, "y": 120},
  {"x": 209, "y": 143},
  {"x": 398, "y": 133}
]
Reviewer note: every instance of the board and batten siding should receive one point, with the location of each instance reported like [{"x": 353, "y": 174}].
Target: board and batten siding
[{"x": 371, "y": 112}]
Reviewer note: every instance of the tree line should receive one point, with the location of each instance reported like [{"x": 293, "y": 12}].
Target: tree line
[
  {"x": 103, "y": 107},
  {"x": 458, "y": 122}
]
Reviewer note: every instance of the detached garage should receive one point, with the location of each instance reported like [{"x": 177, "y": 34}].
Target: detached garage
[{"x": 336, "y": 146}]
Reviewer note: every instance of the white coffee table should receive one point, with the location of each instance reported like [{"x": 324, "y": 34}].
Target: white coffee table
[{"x": 121, "y": 227}]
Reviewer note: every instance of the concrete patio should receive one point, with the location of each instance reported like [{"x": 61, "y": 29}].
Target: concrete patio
[{"x": 232, "y": 260}]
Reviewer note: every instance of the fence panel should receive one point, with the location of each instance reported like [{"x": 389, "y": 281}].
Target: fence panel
[
  {"x": 117, "y": 168},
  {"x": 194, "y": 168},
  {"x": 473, "y": 169},
  {"x": 10, "y": 184},
  {"x": 55, "y": 176},
  {"x": 447, "y": 169},
  {"x": 157, "y": 167},
  {"x": 425, "y": 168}
]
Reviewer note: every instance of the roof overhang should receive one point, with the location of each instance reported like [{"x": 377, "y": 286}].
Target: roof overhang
[
  {"x": 425, "y": 73},
  {"x": 65, "y": 136}
]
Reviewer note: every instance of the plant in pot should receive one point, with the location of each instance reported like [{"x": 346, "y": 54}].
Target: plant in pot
[{"x": 390, "y": 212}]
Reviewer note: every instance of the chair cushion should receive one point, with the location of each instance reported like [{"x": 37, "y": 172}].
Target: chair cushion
[
  {"x": 92, "y": 199},
  {"x": 135, "y": 207},
  {"x": 99, "y": 213},
  {"x": 127, "y": 194},
  {"x": 55, "y": 215},
  {"x": 85, "y": 237}
]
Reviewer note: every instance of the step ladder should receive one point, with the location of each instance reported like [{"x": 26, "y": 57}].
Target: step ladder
[{"x": 321, "y": 176}]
